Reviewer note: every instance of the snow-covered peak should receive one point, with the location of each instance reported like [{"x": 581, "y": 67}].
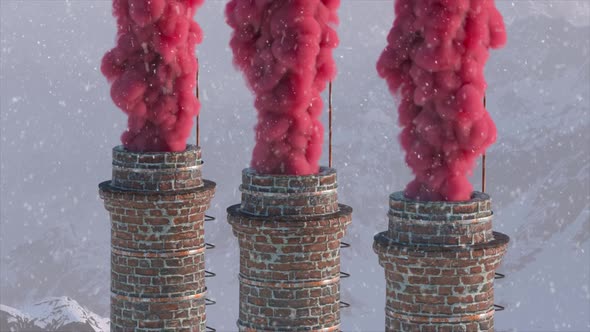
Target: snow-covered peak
[{"x": 52, "y": 314}]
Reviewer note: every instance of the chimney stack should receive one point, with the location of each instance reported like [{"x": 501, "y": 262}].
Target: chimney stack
[
  {"x": 289, "y": 229},
  {"x": 157, "y": 203},
  {"x": 440, "y": 260}
]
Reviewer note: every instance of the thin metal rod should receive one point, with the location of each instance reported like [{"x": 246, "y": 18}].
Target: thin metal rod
[
  {"x": 330, "y": 125},
  {"x": 483, "y": 174},
  {"x": 483, "y": 161},
  {"x": 197, "y": 94}
]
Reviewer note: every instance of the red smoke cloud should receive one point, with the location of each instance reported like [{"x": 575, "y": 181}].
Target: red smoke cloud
[
  {"x": 284, "y": 48},
  {"x": 434, "y": 60},
  {"x": 153, "y": 71}
]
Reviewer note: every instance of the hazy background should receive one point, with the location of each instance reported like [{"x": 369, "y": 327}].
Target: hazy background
[{"x": 58, "y": 126}]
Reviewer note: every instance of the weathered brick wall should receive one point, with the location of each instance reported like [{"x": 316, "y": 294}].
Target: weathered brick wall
[
  {"x": 157, "y": 171},
  {"x": 157, "y": 204},
  {"x": 289, "y": 230},
  {"x": 268, "y": 195},
  {"x": 440, "y": 260}
]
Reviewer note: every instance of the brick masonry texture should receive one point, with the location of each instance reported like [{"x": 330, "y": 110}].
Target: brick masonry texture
[
  {"x": 289, "y": 230},
  {"x": 270, "y": 195},
  {"x": 440, "y": 223},
  {"x": 157, "y": 204},
  {"x": 157, "y": 171},
  {"x": 440, "y": 260}
]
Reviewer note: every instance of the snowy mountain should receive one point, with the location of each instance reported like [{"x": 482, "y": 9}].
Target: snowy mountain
[
  {"x": 53, "y": 314},
  {"x": 58, "y": 124},
  {"x": 59, "y": 263},
  {"x": 538, "y": 174}
]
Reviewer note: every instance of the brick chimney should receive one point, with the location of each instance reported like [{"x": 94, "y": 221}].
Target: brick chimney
[
  {"x": 157, "y": 204},
  {"x": 289, "y": 230},
  {"x": 440, "y": 260}
]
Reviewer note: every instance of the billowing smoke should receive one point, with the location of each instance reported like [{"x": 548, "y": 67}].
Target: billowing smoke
[
  {"x": 284, "y": 48},
  {"x": 434, "y": 62},
  {"x": 153, "y": 71}
]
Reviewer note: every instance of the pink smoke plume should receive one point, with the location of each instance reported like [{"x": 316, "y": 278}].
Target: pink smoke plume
[
  {"x": 434, "y": 60},
  {"x": 153, "y": 71},
  {"x": 284, "y": 48}
]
